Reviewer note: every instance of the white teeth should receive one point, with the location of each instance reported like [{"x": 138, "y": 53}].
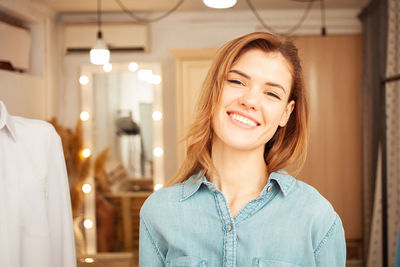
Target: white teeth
[{"x": 242, "y": 119}]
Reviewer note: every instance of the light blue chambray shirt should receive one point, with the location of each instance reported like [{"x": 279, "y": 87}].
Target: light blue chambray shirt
[{"x": 289, "y": 224}]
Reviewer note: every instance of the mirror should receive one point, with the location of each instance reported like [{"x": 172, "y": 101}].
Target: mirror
[
  {"x": 124, "y": 134},
  {"x": 122, "y": 114}
]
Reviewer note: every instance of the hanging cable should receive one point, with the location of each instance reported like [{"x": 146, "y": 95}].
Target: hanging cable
[
  {"x": 323, "y": 25},
  {"x": 99, "y": 34},
  {"x": 291, "y": 30},
  {"x": 140, "y": 19}
]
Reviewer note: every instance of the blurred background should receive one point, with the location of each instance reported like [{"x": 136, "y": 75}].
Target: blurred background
[{"x": 119, "y": 79}]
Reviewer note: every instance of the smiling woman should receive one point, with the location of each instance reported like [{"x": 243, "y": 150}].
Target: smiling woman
[{"x": 231, "y": 203}]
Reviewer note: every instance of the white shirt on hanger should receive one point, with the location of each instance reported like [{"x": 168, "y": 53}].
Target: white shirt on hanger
[{"x": 35, "y": 209}]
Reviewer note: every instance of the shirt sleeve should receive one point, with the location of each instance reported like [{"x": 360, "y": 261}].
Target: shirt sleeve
[
  {"x": 149, "y": 253},
  {"x": 331, "y": 252},
  {"x": 59, "y": 206}
]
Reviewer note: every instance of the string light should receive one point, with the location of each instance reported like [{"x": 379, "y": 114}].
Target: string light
[
  {"x": 145, "y": 75},
  {"x": 86, "y": 188},
  {"x": 155, "y": 79},
  {"x": 157, "y": 115},
  {"x": 88, "y": 224},
  {"x": 88, "y": 260},
  {"x": 84, "y": 80},
  {"x": 86, "y": 153},
  {"x": 107, "y": 67},
  {"x": 133, "y": 66},
  {"x": 158, "y": 152},
  {"x": 84, "y": 116}
]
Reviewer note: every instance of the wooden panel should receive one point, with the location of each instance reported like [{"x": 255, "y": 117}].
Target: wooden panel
[
  {"x": 333, "y": 68},
  {"x": 192, "y": 67}
]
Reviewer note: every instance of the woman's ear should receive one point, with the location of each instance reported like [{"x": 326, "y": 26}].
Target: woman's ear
[{"x": 286, "y": 114}]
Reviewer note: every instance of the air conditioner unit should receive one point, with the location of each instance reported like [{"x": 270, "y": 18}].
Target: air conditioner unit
[
  {"x": 15, "y": 46},
  {"x": 80, "y": 37}
]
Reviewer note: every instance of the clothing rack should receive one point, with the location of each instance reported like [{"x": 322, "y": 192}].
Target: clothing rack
[{"x": 384, "y": 81}]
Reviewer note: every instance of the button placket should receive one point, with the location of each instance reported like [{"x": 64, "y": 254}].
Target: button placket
[{"x": 230, "y": 236}]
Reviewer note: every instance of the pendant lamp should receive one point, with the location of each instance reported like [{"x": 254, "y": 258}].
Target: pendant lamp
[
  {"x": 219, "y": 3},
  {"x": 99, "y": 54}
]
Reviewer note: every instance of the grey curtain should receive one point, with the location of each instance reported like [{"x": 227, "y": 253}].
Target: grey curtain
[
  {"x": 374, "y": 23},
  {"x": 393, "y": 127}
]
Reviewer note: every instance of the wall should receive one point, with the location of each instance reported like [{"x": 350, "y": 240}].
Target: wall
[
  {"x": 187, "y": 30},
  {"x": 32, "y": 94}
]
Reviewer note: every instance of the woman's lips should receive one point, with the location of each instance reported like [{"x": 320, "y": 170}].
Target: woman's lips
[{"x": 243, "y": 119}]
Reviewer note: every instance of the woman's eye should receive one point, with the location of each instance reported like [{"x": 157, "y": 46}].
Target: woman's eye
[
  {"x": 273, "y": 95},
  {"x": 235, "y": 82}
]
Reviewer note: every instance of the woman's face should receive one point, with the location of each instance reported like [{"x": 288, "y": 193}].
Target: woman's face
[{"x": 254, "y": 101}]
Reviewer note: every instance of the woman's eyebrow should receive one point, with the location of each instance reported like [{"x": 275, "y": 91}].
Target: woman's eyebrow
[
  {"x": 276, "y": 85},
  {"x": 267, "y": 83},
  {"x": 240, "y": 73}
]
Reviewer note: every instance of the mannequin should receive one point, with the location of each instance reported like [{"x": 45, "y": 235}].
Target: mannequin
[{"x": 35, "y": 208}]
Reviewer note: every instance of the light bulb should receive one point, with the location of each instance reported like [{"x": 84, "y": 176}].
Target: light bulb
[
  {"x": 84, "y": 80},
  {"x": 145, "y": 75},
  {"x": 86, "y": 188},
  {"x": 99, "y": 54},
  {"x": 86, "y": 153},
  {"x": 157, "y": 115},
  {"x": 219, "y": 3},
  {"x": 84, "y": 116},
  {"x": 158, "y": 152},
  {"x": 107, "y": 67},
  {"x": 88, "y": 224},
  {"x": 155, "y": 79},
  {"x": 133, "y": 66},
  {"x": 88, "y": 260}
]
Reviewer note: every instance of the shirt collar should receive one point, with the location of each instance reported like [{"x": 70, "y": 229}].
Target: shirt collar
[
  {"x": 284, "y": 180},
  {"x": 192, "y": 185},
  {"x": 6, "y": 121}
]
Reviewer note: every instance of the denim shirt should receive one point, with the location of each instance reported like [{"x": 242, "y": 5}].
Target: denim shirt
[{"x": 289, "y": 224}]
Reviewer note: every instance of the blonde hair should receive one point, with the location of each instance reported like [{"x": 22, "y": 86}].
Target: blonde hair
[{"x": 289, "y": 143}]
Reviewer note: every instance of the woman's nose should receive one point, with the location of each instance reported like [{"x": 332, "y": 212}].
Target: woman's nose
[{"x": 250, "y": 99}]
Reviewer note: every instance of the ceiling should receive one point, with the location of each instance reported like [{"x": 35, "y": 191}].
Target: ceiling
[{"x": 81, "y": 6}]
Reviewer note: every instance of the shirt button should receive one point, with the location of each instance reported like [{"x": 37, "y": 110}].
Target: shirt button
[
  {"x": 229, "y": 227},
  {"x": 268, "y": 188}
]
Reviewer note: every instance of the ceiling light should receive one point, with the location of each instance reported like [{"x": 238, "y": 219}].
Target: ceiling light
[
  {"x": 219, "y": 3},
  {"x": 99, "y": 54}
]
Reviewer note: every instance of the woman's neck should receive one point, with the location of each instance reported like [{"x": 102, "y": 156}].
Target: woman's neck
[{"x": 241, "y": 174}]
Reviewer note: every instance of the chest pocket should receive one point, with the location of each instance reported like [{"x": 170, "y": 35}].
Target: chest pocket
[
  {"x": 261, "y": 262},
  {"x": 34, "y": 206},
  {"x": 187, "y": 261}
]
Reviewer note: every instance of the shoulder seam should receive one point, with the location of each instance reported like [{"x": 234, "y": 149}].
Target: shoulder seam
[
  {"x": 152, "y": 240},
  {"x": 326, "y": 237}
]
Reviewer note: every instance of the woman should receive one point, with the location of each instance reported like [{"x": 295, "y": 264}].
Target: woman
[{"x": 230, "y": 203}]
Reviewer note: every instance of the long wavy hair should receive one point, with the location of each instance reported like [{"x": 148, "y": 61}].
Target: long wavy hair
[{"x": 289, "y": 143}]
